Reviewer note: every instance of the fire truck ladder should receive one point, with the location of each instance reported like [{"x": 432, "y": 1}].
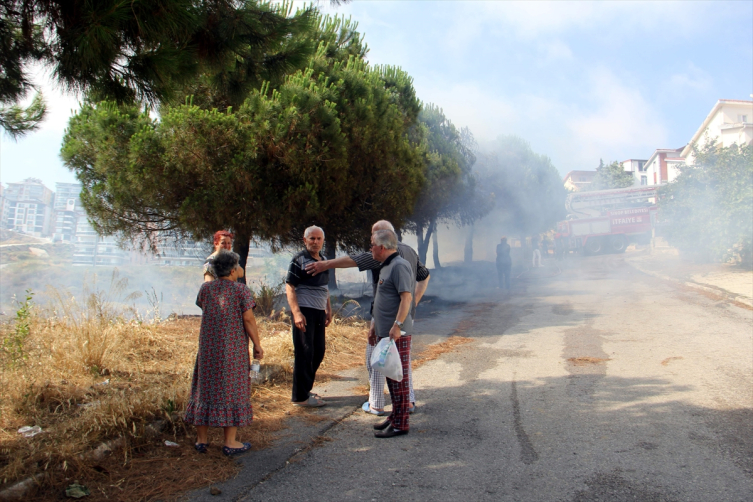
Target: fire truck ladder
[{"x": 592, "y": 204}]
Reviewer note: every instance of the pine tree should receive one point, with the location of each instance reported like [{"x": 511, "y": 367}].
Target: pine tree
[
  {"x": 150, "y": 51},
  {"x": 327, "y": 146}
]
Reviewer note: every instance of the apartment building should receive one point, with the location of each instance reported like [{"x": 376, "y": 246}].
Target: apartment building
[
  {"x": 68, "y": 211},
  {"x": 28, "y": 207},
  {"x": 92, "y": 249}
]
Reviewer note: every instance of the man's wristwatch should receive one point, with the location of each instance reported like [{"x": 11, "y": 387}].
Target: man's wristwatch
[{"x": 399, "y": 324}]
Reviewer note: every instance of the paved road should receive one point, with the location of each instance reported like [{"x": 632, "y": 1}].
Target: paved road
[{"x": 595, "y": 383}]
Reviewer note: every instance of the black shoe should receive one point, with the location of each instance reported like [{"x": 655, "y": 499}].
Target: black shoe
[
  {"x": 382, "y": 425},
  {"x": 390, "y": 432}
]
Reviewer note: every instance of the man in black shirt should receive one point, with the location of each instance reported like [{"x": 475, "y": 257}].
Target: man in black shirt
[{"x": 308, "y": 297}]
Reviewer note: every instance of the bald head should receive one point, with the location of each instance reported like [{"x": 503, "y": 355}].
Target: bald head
[{"x": 382, "y": 225}]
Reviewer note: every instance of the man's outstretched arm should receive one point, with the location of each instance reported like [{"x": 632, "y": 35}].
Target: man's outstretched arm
[{"x": 317, "y": 267}]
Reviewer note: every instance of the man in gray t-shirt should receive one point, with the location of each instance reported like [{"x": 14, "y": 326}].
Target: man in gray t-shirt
[
  {"x": 395, "y": 278},
  {"x": 392, "y": 306},
  {"x": 365, "y": 261}
]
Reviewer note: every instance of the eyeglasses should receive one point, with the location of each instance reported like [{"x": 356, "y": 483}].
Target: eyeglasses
[{"x": 375, "y": 245}]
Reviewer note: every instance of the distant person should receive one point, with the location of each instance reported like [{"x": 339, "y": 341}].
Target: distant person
[
  {"x": 545, "y": 247},
  {"x": 504, "y": 264},
  {"x": 392, "y": 318},
  {"x": 308, "y": 297},
  {"x": 365, "y": 261},
  {"x": 222, "y": 240},
  {"x": 220, "y": 389},
  {"x": 536, "y": 252}
]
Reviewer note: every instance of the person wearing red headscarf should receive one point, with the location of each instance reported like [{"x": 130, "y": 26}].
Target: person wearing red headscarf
[{"x": 222, "y": 240}]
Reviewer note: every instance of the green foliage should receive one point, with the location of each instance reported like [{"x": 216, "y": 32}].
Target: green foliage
[
  {"x": 526, "y": 188},
  {"x": 611, "y": 175},
  {"x": 18, "y": 121},
  {"x": 706, "y": 212},
  {"x": 13, "y": 342},
  {"x": 265, "y": 295},
  {"x": 328, "y": 146},
  {"x": 151, "y": 50}
]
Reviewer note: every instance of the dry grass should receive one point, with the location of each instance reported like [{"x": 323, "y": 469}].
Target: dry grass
[
  {"x": 92, "y": 374},
  {"x": 433, "y": 351}
]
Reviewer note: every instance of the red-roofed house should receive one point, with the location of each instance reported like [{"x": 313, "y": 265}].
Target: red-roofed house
[{"x": 661, "y": 167}]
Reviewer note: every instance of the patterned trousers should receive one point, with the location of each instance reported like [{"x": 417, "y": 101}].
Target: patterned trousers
[
  {"x": 399, "y": 391},
  {"x": 376, "y": 382}
]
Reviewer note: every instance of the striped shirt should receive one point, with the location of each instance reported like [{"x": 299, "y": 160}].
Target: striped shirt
[{"x": 312, "y": 291}]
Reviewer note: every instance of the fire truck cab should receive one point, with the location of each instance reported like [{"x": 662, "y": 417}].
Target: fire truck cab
[{"x": 607, "y": 220}]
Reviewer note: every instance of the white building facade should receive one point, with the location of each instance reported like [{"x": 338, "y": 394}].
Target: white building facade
[
  {"x": 637, "y": 167},
  {"x": 729, "y": 122}
]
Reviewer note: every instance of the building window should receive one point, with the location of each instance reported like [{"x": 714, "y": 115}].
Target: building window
[
  {"x": 742, "y": 118},
  {"x": 644, "y": 180}
]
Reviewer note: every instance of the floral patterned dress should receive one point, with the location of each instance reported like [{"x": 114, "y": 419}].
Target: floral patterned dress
[{"x": 220, "y": 390}]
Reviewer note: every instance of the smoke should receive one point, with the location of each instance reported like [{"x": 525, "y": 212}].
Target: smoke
[{"x": 528, "y": 199}]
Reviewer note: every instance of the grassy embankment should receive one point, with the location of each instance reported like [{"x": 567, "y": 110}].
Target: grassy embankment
[{"x": 89, "y": 371}]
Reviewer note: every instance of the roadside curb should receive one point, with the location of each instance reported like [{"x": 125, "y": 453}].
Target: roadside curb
[{"x": 709, "y": 289}]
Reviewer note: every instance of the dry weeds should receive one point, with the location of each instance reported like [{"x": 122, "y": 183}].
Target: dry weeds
[
  {"x": 437, "y": 349},
  {"x": 92, "y": 374}
]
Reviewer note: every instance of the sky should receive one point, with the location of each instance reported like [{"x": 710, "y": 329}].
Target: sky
[{"x": 580, "y": 81}]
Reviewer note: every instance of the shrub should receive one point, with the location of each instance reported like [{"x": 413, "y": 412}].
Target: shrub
[
  {"x": 265, "y": 296},
  {"x": 13, "y": 342},
  {"x": 707, "y": 210}
]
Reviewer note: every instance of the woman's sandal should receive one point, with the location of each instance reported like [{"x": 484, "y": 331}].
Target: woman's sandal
[
  {"x": 201, "y": 447},
  {"x": 312, "y": 402},
  {"x": 228, "y": 452}
]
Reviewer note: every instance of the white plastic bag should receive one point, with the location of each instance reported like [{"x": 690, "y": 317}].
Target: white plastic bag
[{"x": 386, "y": 359}]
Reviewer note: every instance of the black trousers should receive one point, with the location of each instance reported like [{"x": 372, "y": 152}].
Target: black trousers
[
  {"x": 308, "y": 347},
  {"x": 503, "y": 274}
]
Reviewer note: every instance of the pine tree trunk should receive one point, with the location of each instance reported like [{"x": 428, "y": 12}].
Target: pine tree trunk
[
  {"x": 435, "y": 245},
  {"x": 420, "y": 243},
  {"x": 241, "y": 243},
  {"x": 399, "y": 234},
  {"x": 330, "y": 247},
  {"x": 468, "y": 251},
  {"x": 423, "y": 241}
]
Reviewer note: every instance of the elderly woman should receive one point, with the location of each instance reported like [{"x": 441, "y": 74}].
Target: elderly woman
[
  {"x": 220, "y": 389},
  {"x": 222, "y": 240}
]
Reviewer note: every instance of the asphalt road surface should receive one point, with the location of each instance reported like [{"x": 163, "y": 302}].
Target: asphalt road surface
[{"x": 588, "y": 382}]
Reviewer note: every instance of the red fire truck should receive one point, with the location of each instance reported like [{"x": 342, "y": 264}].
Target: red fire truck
[{"x": 607, "y": 220}]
